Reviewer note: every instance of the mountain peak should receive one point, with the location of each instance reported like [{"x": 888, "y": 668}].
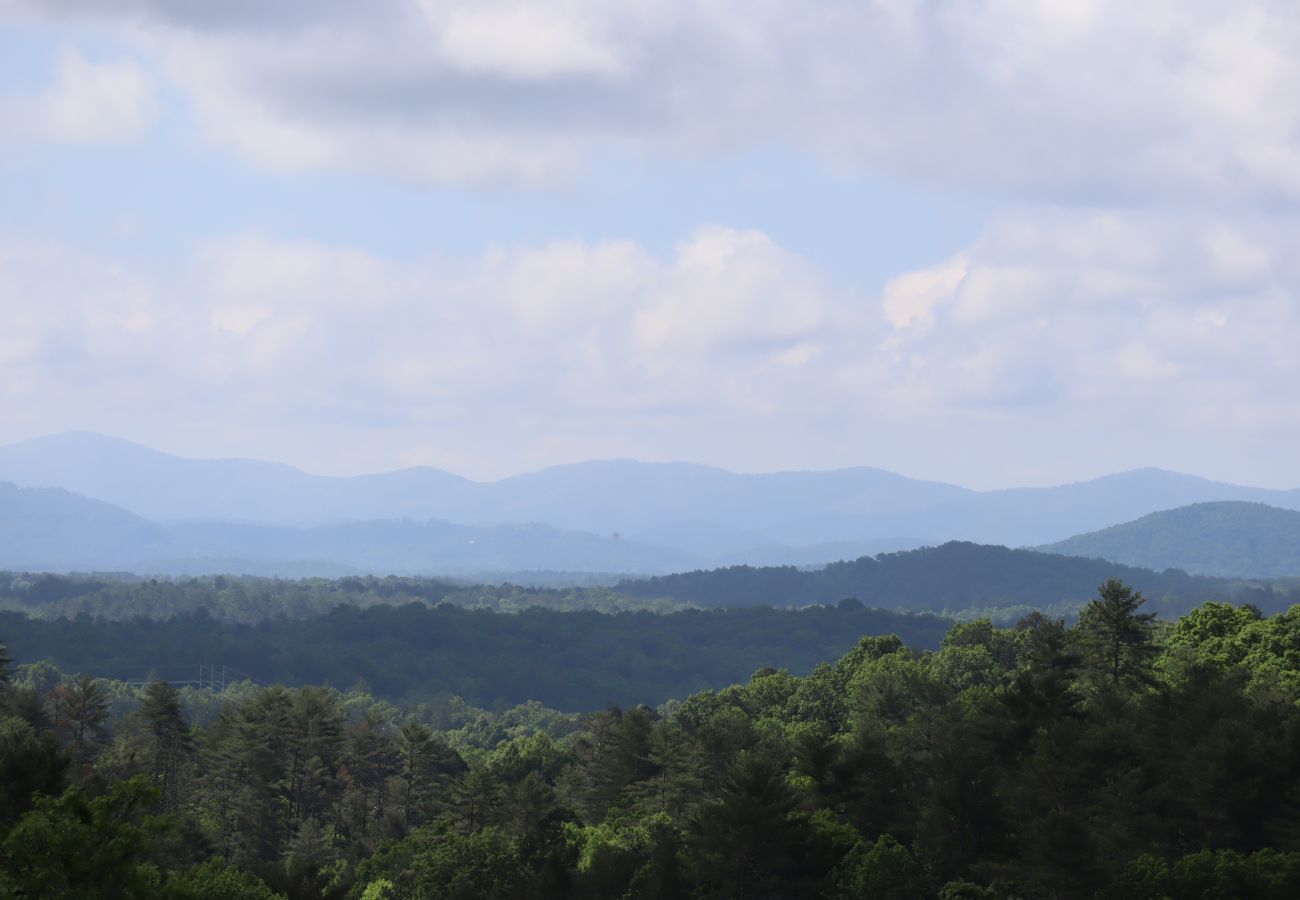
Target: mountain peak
[{"x": 1231, "y": 538}]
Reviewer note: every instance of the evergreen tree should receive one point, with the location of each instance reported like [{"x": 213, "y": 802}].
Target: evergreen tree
[
  {"x": 247, "y": 757},
  {"x": 168, "y": 740},
  {"x": 316, "y": 743},
  {"x": 1117, "y": 637},
  {"x": 428, "y": 766},
  {"x": 749, "y": 842},
  {"x": 372, "y": 760},
  {"x": 475, "y": 799},
  {"x": 311, "y": 861},
  {"x": 81, "y": 719},
  {"x": 676, "y": 774}
]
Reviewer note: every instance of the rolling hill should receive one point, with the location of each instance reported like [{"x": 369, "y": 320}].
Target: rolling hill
[
  {"x": 953, "y": 577},
  {"x": 1225, "y": 538}
]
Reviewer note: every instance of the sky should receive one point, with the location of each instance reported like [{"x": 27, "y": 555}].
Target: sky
[{"x": 988, "y": 242}]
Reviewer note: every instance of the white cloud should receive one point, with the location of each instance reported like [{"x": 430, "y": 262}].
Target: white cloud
[
  {"x": 526, "y": 41},
  {"x": 1060, "y": 338},
  {"x": 1074, "y": 312},
  {"x": 910, "y": 299},
  {"x": 261, "y": 334},
  {"x": 88, "y": 102},
  {"x": 1086, "y": 98}
]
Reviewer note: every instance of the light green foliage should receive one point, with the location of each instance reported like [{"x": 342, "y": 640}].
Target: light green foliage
[
  {"x": 883, "y": 869},
  {"x": 73, "y": 846},
  {"x": 481, "y": 865},
  {"x": 215, "y": 881},
  {"x": 380, "y": 889},
  {"x": 1225, "y": 636}
]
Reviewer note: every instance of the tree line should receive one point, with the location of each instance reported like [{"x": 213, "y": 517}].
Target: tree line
[{"x": 1119, "y": 757}]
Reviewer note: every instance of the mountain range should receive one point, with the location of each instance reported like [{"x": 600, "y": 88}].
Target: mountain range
[{"x": 176, "y": 514}]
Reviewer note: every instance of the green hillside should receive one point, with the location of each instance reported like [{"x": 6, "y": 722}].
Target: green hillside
[
  {"x": 1228, "y": 538},
  {"x": 954, "y": 577}
]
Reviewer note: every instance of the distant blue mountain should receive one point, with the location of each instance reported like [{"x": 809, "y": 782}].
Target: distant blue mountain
[
  {"x": 50, "y": 529},
  {"x": 655, "y": 514}
]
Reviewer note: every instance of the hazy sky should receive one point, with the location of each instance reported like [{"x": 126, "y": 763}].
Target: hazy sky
[{"x": 985, "y": 242}]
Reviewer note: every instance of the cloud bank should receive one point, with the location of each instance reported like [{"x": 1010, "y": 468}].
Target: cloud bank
[
  {"x": 527, "y": 355},
  {"x": 1085, "y": 98}
]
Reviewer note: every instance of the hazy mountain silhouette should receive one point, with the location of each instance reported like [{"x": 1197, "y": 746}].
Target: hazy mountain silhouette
[
  {"x": 52, "y": 529},
  {"x": 642, "y": 515}
]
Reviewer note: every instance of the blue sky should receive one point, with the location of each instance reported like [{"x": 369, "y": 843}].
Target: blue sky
[{"x": 994, "y": 243}]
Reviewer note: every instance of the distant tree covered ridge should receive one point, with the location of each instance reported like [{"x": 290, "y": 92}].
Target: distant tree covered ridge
[
  {"x": 569, "y": 660},
  {"x": 249, "y": 599},
  {"x": 957, "y": 579},
  {"x": 1119, "y": 758},
  {"x": 952, "y": 577},
  {"x": 1225, "y": 538}
]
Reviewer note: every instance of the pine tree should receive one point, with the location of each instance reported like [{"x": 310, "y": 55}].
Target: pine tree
[
  {"x": 748, "y": 842},
  {"x": 614, "y": 753},
  {"x": 475, "y": 798},
  {"x": 316, "y": 742},
  {"x": 372, "y": 760},
  {"x": 428, "y": 765},
  {"x": 247, "y": 767},
  {"x": 1117, "y": 637},
  {"x": 168, "y": 739},
  {"x": 81, "y": 720},
  {"x": 676, "y": 780}
]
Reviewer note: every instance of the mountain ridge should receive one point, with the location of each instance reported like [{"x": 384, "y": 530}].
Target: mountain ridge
[
  {"x": 749, "y": 517},
  {"x": 1225, "y": 538}
]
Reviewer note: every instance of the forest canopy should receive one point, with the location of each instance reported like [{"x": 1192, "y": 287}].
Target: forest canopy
[
  {"x": 1116, "y": 758},
  {"x": 570, "y": 660}
]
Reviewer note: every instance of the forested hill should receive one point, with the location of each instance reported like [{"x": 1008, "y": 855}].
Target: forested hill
[
  {"x": 567, "y": 660},
  {"x": 1226, "y": 538},
  {"x": 954, "y": 576}
]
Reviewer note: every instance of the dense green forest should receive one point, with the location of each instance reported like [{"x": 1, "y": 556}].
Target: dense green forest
[
  {"x": 954, "y": 577},
  {"x": 1119, "y": 757},
  {"x": 573, "y": 661}
]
